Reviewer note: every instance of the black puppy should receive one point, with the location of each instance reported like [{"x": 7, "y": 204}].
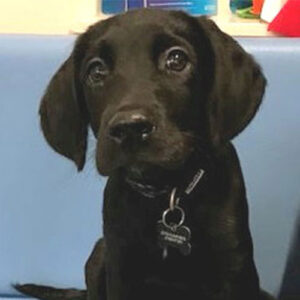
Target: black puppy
[{"x": 164, "y": 94}]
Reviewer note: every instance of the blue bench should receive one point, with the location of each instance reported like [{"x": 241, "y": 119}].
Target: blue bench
[{"x": 50, "y": 215}]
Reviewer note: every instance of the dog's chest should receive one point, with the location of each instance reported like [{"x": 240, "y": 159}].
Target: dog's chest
[{"x": 135, "y": 223}]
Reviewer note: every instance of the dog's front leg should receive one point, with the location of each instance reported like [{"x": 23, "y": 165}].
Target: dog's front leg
[
  {"x": 235, "y": 277},
  {"x": 95, "y": 272},
  {"x": 123, "y": 271}
]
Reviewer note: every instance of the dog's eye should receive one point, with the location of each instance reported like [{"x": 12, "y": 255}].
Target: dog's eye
[
  {"x": 97, "y": 71},
  {"x": 176, "y": 60}
]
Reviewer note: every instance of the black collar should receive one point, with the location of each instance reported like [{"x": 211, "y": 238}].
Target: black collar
[
  {"x": 151, "y": 191},
  {"x": 147, "y": 190},
  {"x": 186, "y": 180}
]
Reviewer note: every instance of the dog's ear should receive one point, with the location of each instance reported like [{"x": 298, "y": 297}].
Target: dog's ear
[
  {"x": 63, "y": 120},
  {"x": 238, "y": 85}
]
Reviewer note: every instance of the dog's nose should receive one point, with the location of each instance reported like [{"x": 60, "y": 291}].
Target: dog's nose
[{"x": 135, "y": 127}]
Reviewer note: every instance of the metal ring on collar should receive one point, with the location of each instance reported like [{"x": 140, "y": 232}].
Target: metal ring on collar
[{"x": 164, "y": 216}]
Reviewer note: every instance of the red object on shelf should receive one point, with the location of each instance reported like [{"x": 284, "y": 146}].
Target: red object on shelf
[
  {"x": 257, "y": 6},
  {"x": 287, "y": 22}
]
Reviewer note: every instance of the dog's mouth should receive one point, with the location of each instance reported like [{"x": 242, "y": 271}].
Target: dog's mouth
[{"x": 165, "y": 153}]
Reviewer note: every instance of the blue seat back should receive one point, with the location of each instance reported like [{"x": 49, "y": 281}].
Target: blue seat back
[{"x": 50, "y": 215}]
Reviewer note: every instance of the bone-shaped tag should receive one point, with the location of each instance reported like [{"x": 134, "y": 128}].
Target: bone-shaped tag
[{"x": 174, "y": 236}]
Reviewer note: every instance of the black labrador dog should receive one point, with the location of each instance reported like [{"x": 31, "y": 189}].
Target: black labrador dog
[{"x": 164, "y": 94}]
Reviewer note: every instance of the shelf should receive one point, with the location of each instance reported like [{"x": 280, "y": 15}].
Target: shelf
[
  {"x": 242, "y": 27},
  {"x": 74, "y": 16},
  {"x": 228, "y": 22}
]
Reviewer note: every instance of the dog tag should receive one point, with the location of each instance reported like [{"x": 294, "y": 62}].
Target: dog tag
[{"x": 174, "y": 236}]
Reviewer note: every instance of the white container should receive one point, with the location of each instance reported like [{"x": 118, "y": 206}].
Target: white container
[{"x": 270, "y": 9}]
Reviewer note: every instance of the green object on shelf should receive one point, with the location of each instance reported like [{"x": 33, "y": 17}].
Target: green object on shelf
[
  {"x": 239, "y": 4},
  {"x": 246, "y": 13}
]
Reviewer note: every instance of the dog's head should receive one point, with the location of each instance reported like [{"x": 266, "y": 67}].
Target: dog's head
[{"x": 154, "y": 86}]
